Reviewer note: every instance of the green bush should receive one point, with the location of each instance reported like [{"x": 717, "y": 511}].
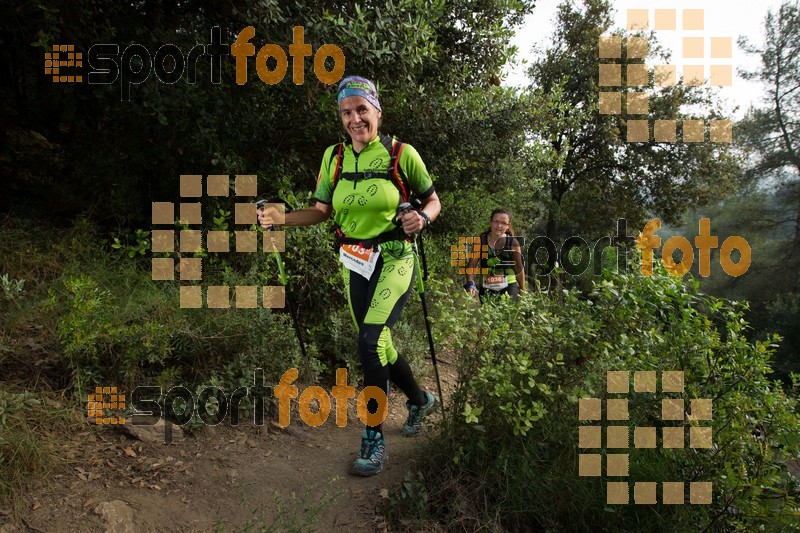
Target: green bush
[
  {"x": 115, "y": 325},
  {"x": 99, "y": 341},
  {"x": 508, "y": 452},
  {"x": 269, "y": 343}
]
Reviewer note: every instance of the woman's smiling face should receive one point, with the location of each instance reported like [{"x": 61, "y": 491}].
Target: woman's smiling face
[
  {"x": 360, "y": 120},
  {"x": 500, "y": 223}
]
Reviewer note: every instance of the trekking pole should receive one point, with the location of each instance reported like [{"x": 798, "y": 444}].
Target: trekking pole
[
  {"x": 416, "y": 204},
  {"x": 284, "y": 279},
  {"x": 406, "y": 207}
]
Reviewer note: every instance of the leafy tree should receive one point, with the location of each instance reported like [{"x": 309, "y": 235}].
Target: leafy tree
[
  {"x": 771, "y": 133},
  {"x": 71, "y": 148},
  {"x": 592, "y": 175}
]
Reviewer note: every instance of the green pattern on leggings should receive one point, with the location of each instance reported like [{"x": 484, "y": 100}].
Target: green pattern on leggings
[
  {"x": 386, "y": 350},
  {"x": 394, "y": 280}
]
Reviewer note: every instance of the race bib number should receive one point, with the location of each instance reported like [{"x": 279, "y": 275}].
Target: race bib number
[
  {"x": 495, "y": 282},
  {"x": 359, "y": 259}
]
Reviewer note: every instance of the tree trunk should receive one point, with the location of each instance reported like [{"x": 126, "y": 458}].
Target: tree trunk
[
  {"x": 794, "y": 253},
  {"x": 554, "y": 208},
  {"x": 552, "y": 221}
]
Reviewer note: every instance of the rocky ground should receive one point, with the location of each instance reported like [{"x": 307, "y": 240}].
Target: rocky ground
[{"x": 218, "y": 478}]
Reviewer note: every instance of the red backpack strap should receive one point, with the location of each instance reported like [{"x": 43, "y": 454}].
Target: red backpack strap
[
  {"x": 395, "y": 148},
  {"x": 338, "y": 171}
]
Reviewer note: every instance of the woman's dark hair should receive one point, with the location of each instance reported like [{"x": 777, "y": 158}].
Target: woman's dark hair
[{"x": 502, "y": 211}]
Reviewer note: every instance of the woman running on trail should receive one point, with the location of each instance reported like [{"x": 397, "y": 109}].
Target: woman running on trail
[
  {"x": 361, "y": 184},
  {"x": 506, "y": 274}
]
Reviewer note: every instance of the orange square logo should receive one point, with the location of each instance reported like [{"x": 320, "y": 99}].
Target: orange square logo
[{"x": 55, "y": 62}]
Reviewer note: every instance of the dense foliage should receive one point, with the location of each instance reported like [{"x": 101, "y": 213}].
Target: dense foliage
[
  {"x": 771, "y": 132},
  {"x": 583, "y": 155},
  {"x": 508, "y": 452},
  {"x": 72, "y": 147},
  {"x": 82, "y": 164}
]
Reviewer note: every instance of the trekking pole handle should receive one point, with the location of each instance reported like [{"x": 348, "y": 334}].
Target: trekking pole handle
[
  {"x": 260, "y": 204},
  {"x": 414, "y": 206},
  {"x": 402, "y": 209}
]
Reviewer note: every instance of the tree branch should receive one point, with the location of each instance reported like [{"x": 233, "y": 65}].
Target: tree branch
[{"x": 778, "y": 109}]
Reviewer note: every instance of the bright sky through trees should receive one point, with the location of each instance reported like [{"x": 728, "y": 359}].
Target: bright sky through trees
[{"x": 732, "y": 18}]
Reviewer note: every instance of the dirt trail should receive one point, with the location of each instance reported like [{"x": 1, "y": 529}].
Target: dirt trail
[{"x": 222, "y": 478}]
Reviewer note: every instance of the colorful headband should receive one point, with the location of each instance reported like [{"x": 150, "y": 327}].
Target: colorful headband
[{"x": 358, "y": 86}]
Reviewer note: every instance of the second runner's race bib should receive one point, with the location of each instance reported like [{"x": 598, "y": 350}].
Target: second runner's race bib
[
  {"x": 359, "y": 259},
  {"x": 495, "y": 283}
]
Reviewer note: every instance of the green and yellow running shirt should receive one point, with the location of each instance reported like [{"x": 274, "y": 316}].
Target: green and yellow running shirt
[{"x": 364, "y": 208}]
